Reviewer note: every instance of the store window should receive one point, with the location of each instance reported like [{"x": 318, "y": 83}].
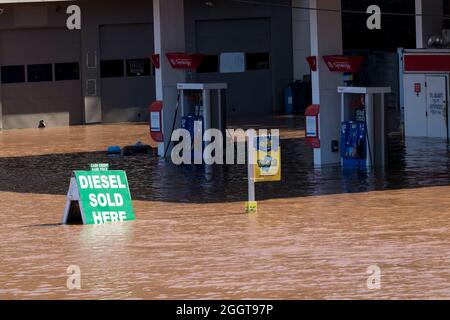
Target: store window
[
  {"x": 138, "y": 67},
  {"x": 258, "y": 61},
  {"x": 112, "y": 69},
  {"x": 67, "y": 71},
  {"x": 210, "y": 64},
  {"x": 13, "y": 74},
  {"x": 40, "y": 72},
  {"x": 232, "y": 62}
]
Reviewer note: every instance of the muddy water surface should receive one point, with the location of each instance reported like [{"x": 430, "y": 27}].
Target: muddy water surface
[{"x": 315, "y": 235}]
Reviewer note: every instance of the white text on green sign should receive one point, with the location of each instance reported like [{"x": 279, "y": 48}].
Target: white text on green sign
[{"x": 104, "y": 196}]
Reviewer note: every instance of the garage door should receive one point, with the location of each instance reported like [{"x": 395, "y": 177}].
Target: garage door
[
  {"x": 250, "y": 89},
  {"x": 40, "y": 77},
  {"x": 128, "y": 82}
]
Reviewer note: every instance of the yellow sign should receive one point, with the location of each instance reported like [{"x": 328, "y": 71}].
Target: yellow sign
[
  {"x": 251, "y": 207},
  {"x": 267, "y": 166}
]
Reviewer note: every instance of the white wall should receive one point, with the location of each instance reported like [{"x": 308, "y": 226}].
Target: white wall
[
  {"x": 326, "y": 39},
  {"x": 169, "y": 37}
]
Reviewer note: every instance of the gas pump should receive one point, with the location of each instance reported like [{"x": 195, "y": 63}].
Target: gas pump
[
  {"x": 195, "y": 112},
  {"x": 194, "y": 122},
  {"x": 353, "y": 142},
  {"x": 203, "y": 107},
  {"x": 353, "y": 136},
  {"x": 363, "y": 133}
]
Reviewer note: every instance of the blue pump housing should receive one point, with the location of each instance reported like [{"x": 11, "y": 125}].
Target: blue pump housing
[
  {"x": 353, "y": 144},
  {"x": 188, "y": 123}
]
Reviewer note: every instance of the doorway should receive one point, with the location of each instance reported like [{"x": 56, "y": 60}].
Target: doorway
[{"x": 437, "y": 107}]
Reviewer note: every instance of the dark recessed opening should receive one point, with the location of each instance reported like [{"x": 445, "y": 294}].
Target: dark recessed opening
[
  {"x": 13, "y": 74},
  {"x": 40, "y": 72},
  {"x": 210, "y": 64},
  {"x": 258, "y": 61},
  {"x": 67, "y": 71},
  {"x": 112, "y": 68}
]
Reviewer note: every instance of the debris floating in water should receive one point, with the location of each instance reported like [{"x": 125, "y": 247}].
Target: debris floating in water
[
  {"x": 138, "y": 148},
  {"x": 114, "y": 150}
]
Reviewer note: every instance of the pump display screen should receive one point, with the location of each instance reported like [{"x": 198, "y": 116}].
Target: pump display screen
[
  {"x": 154, "y": 121},
  {"x": 311, "y": 127}
]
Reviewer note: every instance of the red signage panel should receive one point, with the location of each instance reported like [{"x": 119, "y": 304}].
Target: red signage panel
[
  {"x": 312, "y": 61},
  {"x": 426, "y": 62},
  {"x": 184, "y": 61},
  {"x": 156, "y": 61},
  {"x": 312, "y": 126},
  {"x": 344, "y": 64}
]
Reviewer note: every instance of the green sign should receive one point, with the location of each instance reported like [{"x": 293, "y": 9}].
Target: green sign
[{"x": 103, "y": 197}]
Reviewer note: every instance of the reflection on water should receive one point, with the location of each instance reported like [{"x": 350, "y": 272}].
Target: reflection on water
[
  {"x": 315, "y": 235},
  {"x": 422, "y": 162}
]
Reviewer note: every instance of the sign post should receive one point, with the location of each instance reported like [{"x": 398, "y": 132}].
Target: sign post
[
  {"x": 264, "y": 163},
  {"x": 98, "y": 196},
  {"x": 251, "y": 206}
]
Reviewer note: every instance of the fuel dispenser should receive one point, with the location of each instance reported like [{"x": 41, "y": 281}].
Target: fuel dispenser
[
  {"x": 353, "y": 142},
  {"x": 194, "y": 122},
  {"x": 354, "y": 135},
  {"x": 202, "y": 107},
  {"x": 362, "y": 133}
]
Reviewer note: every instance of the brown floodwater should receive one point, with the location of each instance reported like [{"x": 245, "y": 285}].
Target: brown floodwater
[{"x": 314, "y": 237}]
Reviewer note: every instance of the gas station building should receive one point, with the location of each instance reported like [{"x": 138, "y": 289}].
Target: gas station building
[{"x": 103, "y": 73}]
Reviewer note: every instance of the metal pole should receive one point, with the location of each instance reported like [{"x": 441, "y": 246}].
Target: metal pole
[
  {"x": 383, "y": 131},
  {"x": 370, "y": 131},
  {"x": 251, "y": 205}
]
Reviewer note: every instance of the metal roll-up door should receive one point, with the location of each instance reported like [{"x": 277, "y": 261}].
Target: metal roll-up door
[
  {"x": 127, "y": 75},
  {"x": 250, "y": 92},
  {"x": 40, "y": 77}
]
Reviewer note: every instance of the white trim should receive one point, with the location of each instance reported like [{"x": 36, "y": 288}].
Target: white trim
[
  {"x": 427, "y": 51},
  {"x": 89, "y": 59},
  {"x": 364, "y": 90},
  {"x": 202, "y": 86}
]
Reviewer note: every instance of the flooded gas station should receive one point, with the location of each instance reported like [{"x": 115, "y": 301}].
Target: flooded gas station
[
  {"x": 315, "y": 235},
  {"x": 344, "y": 196}
]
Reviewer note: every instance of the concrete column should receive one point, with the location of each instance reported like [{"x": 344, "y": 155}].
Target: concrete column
[
  {"x": 429, "y": 20},
  {"x": 326, "y": 39},
  {"x": 90, "y": 64},
  {"x": 419, "y": 25},
  {"x": 169, "y": 37},
  {"x": 300, "y": 38}
]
